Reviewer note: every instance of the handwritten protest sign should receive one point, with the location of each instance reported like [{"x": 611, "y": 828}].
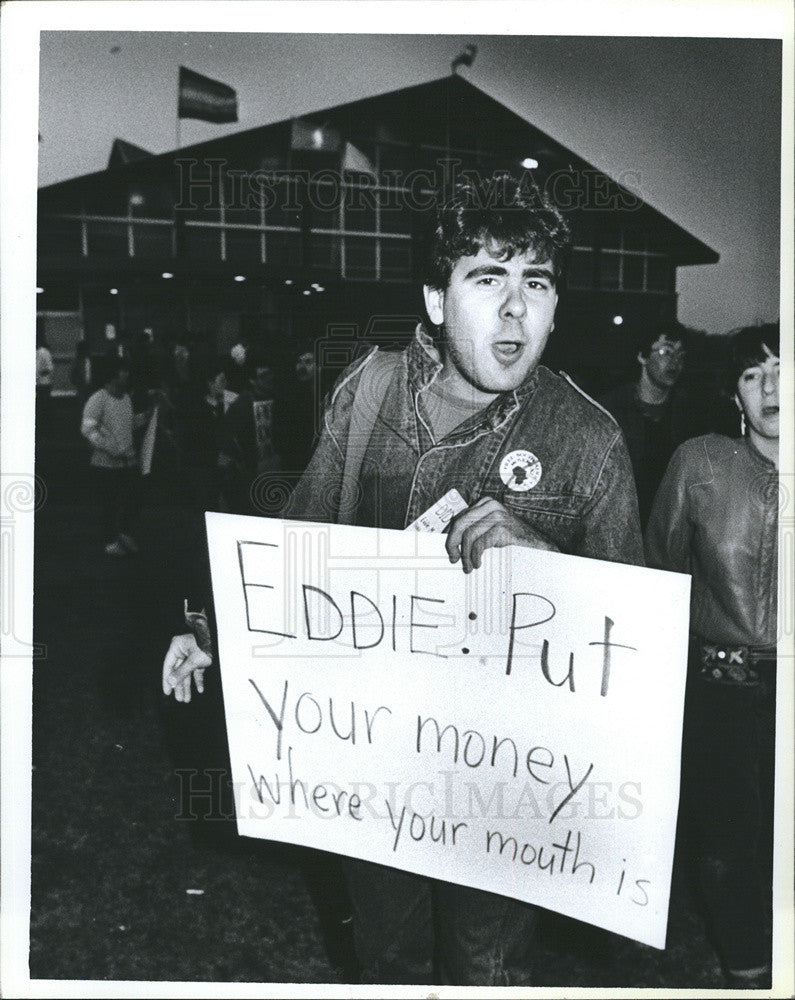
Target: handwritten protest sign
[{"x": 516, "y": 730}]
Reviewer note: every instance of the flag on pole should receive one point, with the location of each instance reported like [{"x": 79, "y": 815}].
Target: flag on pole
[
  {"x": 354, "y": 160},
  {"x": 205, "y": 99}
]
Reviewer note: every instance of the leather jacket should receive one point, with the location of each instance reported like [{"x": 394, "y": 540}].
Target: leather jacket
[
  {"x": 716, "y": 516},
  {"x": 651, "y": 443},
  {"x": 583, "y": 500}
]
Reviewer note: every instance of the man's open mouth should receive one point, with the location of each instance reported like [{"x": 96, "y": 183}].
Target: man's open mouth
[{"x": 507, "y": 351}]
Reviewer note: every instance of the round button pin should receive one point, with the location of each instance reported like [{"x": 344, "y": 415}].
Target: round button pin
[{"x": 520, "y": 471}]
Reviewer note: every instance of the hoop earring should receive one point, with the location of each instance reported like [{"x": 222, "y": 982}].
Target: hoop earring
[{"x": 742, "y": 424}]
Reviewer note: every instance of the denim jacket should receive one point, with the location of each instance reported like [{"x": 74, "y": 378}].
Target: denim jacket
[{"x": 583, "y": 501}]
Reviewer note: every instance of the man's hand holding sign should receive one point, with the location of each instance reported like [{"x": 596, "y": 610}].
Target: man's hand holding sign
[{"x": 487, "y": 524}]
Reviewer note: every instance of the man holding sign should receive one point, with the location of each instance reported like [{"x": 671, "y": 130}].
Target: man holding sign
[{"x": 464, "y": 418}]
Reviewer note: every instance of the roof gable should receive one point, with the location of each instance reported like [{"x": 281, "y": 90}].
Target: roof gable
[{"x": 449, "y": 114}]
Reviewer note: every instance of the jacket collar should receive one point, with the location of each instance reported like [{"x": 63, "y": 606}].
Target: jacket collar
[
  {"x": 425, "y": 362},
  {"x": 424, "y": 359}
]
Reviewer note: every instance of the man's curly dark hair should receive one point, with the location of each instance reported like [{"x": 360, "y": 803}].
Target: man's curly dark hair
[{"x": 505, "y": 214}]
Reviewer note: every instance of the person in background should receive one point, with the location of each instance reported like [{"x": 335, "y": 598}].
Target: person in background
[
  {"x": 108, "y": 424},
  {"x": 203, "y": 425},
  {"x": 177, "y": 380},
  {"x": 145, "y": 364},
  {"x": 238, "y": 373},
  {"x": 180, "y": 375},
  {"x": 44, "y": 372},
  {"x": 247, "y": 449},
  {"x": 297, "y": 416},
  {"x": 716, "y": 517},
  {"x": 654, "y": 417},
  {"x": 81, "y": 374}
]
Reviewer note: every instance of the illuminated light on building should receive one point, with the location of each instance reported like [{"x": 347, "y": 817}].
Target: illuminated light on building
[
  {"x": 167, "y": 274},
  {"x": 240, "y": 277},
  {"x": 113, "y": 291},
  {"x": 529, "y": 163},
  {"x": 618, "y": 320}
]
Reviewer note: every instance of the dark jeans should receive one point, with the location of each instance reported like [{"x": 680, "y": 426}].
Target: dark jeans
[
  {"x": 727, "y": 810},
  {"x": 118, "y": 491},
  {"x": 412, "y": 929}
]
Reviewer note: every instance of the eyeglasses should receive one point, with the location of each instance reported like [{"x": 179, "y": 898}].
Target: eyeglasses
[{"x": 678, "y": 353}]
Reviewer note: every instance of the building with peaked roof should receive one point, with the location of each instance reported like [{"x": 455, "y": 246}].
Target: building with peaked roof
[
  {"x": 125, "y": 152},
  {"x": 304, "y": 229}
]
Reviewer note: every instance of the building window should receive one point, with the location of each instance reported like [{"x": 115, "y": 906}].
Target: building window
[
  {"x": 627, "y": 264},
  {"x": 659, "y": 276},
  {"x": 360, "y": 209},
  {"x": 242, "y": 245},
  {"x": 60, "y": 236},
  {"x": 152, "y": 240},
  {"x": 580, "y": 272},
  {"x": 202, "y": 243},
  {"x": 395, "y": 260},
  {"x": 360, "y": 258},
  {"x": 107, "y": 239}
]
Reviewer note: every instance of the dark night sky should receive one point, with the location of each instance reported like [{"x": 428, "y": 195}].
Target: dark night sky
[{"x": 697, "y": 118}]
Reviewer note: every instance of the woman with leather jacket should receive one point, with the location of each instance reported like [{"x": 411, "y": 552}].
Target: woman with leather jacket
[{"x": 716, "y": 517}]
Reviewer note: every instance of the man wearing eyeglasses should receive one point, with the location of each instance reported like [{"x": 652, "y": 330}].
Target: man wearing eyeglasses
[{"x": 650, "y": 413}]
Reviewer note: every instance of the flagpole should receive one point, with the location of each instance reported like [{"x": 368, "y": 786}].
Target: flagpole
[
  {"x": 178, "y": 136},
  {"x": 178, "y": 128}
]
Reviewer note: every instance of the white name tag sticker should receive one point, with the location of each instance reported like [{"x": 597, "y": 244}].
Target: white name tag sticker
[{"x": 437, "y": 518}]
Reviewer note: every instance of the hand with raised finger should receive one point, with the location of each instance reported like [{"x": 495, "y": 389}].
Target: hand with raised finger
[{"x": 183, "y": 661}]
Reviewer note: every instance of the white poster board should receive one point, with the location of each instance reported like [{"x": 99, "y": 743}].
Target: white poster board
[{"x": 517, "y": 729}]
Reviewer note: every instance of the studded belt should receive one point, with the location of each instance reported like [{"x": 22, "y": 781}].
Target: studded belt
[{"x": 741, "y": 665}]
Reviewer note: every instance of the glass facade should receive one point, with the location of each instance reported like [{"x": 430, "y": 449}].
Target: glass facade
[
  {"x": 355, "y": 226},
  {"x": 356, "y": 229}
]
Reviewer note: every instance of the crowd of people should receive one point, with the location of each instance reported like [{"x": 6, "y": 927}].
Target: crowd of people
[
  {"x": 215, "y": 423},
  {"x": 639, "y": 476}
]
